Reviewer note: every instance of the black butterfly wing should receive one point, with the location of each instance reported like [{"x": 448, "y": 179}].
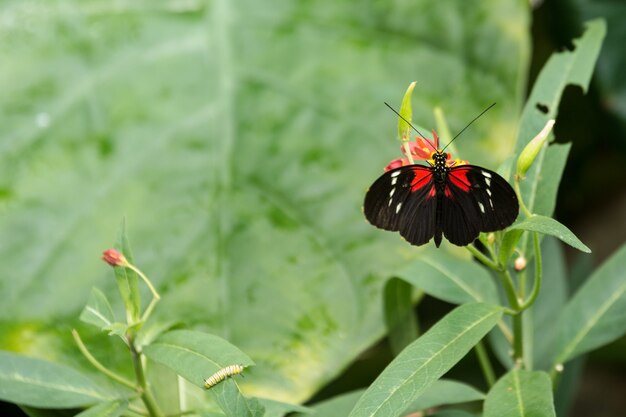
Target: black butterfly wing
[
  {"x": 481, "y": 199},
  {"x": 404, "y": 200}
]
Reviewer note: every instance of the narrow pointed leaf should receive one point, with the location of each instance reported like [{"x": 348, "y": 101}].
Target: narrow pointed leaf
[
  {"x": 38, "y": 383},
  {"x": 549, "y": 226},
  {"x": 521, "y": 393},
  {"x": 426, "y": 360},
  {"x": 98, "y": 311},
  {"x": 127, "y": 279},
  {"x": 596, "y": 315},
  {"x": 406, "y": 111}
]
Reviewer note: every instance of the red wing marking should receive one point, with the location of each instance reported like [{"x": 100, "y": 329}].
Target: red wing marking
[
  {"x": 458, "y": 177},
  {"x": 421, "y": 178}
]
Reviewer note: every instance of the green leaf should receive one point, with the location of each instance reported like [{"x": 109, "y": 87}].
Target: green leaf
[
  {"x": 442, "y": 392},
  {"x": 37, "y": 383},
  {"x": 47, "y": 412},
  {"x": 399, "y": 314},
  {"x": 280, "y": 409},
  {"x": 127, "y": 279},
  {"x": 237, "y": 155},
  {"x": 406, "y": 111},
  {"x": 449, "y": 278},
  {"x": 596, "y": 315},
  {"x": 195, "y": 355},
  {"x": 426, "y": 360},
  {"x": 541, "y": 183},
  {"x": 339, "y": 405},
  {"x": 98, "y": 311},
  {"x": 541, "y": 189},
  {"x": 548, "y": 305},
  {"x": 233, "y": 403},
  {"x": 106, "y": 409},
  {"x": 452, "y": 413},
  {"x": 549, "y": 226},
  {"x": 521, "y": 393},
  {"x": 562, "y": 69},
  {"x": 508, "y": 244}
]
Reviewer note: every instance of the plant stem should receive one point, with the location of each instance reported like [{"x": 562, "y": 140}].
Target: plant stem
[
  {"x": 146, "y": 395},
  {"x": 538, "y": 273},
  {"x": 485, "y": 364},
  {"x": 518, "y": 191},
  {"x": 155, "y": 295},
  {"x": 92, "y": 360},
  {"x": 482, "y": 257},
  {"x": 518, "y": 333}
]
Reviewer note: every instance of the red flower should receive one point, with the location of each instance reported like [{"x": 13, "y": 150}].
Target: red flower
[
  {"x": 396, "y": 163},
  {"x": 114, "y": 258},
  {"x": 422, "y": 149}
]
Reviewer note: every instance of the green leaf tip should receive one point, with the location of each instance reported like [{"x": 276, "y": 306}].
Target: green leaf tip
[
  {"x": 406, "y": 111},
  {"x": 549, "y": 226}
]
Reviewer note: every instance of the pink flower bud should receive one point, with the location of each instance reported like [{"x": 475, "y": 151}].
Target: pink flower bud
[{"x": 114, "y": 258}]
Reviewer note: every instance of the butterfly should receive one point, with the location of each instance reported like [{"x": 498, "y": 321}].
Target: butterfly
[{"x": 446, "y": 198}]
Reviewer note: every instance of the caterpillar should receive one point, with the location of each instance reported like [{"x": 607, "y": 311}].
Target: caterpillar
[{"x": 222, "y": 374}]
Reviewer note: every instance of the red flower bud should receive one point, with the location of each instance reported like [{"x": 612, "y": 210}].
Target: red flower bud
[{"x": 114, "y": 258}]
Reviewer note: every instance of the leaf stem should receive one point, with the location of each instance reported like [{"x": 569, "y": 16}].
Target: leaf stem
[
  {"x": 485, "y": 364},
  {"x": 538, "y": 274},
  {"x": 155, "y": 295},
  {"x": 92, "y": 360},
  {"x": 518, "y": 191},
  {"x": 514, "y": 302},
  {"x": 482, "y": 257}
]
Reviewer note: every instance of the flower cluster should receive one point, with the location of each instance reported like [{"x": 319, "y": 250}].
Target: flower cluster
[{"x": 422, "y": 149}]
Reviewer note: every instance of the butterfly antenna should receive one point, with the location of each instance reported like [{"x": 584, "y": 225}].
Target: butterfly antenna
[
  {"x": 468, "y": 125},
  {"x": 409, "y": 123}
]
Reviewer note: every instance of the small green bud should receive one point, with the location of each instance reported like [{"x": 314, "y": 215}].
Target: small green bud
[{"x": 530, "y": 152}]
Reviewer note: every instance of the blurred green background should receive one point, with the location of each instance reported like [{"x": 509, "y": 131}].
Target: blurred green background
[{"x": 237, "y": 138}]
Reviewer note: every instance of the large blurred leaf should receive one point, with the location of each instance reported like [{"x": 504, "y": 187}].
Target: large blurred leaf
[
  {"x": 237, "y": 138},
  {"x": 596, "y": 314},
  {"x": 37, "y": 383}
]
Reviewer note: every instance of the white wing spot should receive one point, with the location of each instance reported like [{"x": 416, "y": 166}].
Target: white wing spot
[
  {"x": 398, "y": 208},
  {"x": 488, "y": 192},
  {"x": 394, "y": 180},
  {"x": 393, "y": 190},
  {"x": 486, "y": 174},
  {"x": 482, "y": 208},
  {"x": 395, "y": 174},
  {"x": 488, "y": 182}
]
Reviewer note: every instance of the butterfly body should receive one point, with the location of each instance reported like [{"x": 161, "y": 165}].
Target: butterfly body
[{"x": 443, "y": 199}]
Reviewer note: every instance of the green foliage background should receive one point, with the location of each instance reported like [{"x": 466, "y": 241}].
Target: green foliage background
[{"x": 237, "y": 139}]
